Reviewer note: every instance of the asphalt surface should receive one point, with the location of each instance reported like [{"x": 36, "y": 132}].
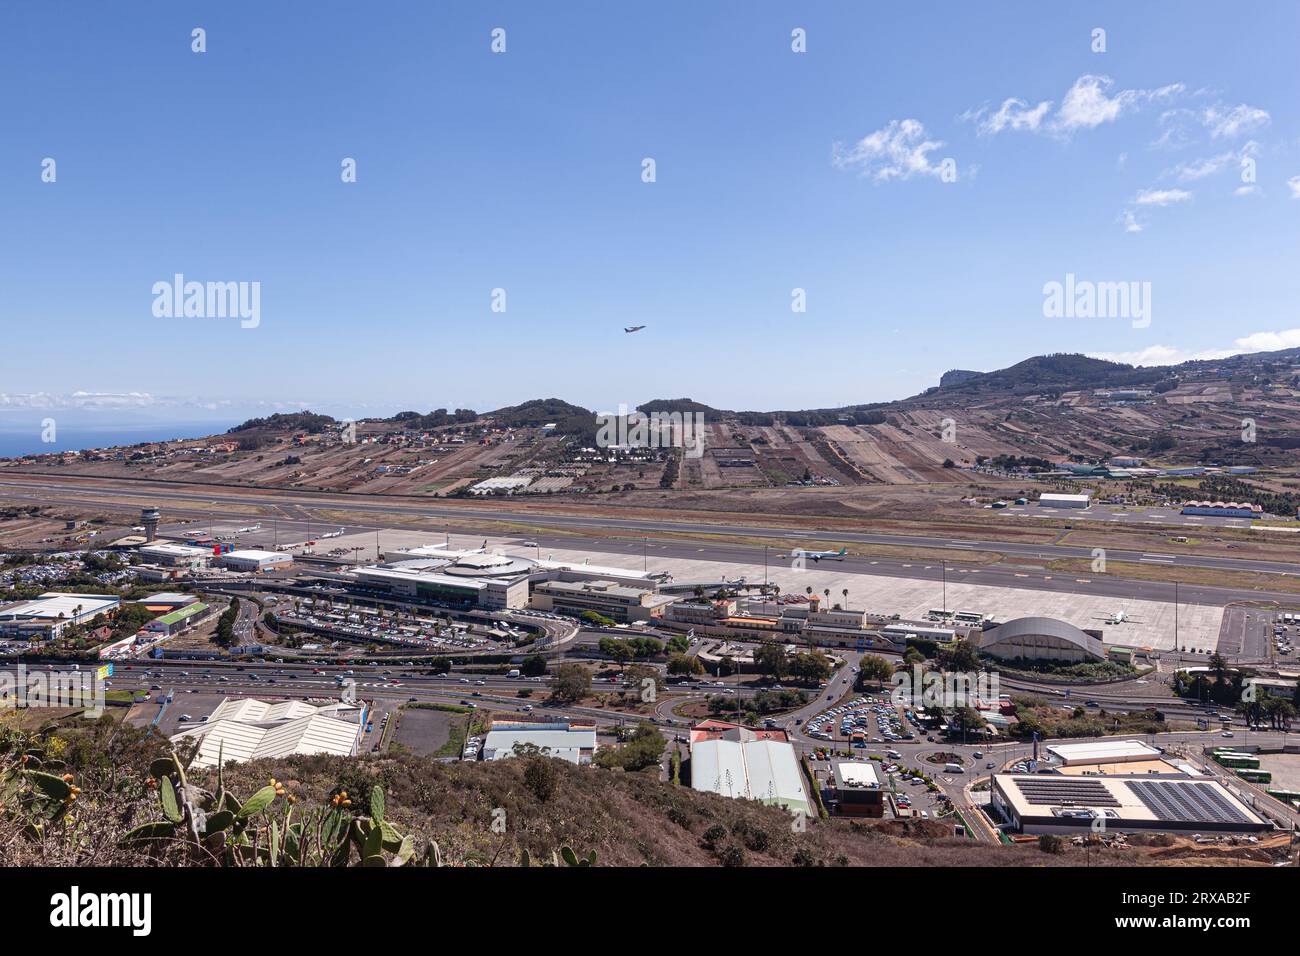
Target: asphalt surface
[{"x": 95, "y": 491}]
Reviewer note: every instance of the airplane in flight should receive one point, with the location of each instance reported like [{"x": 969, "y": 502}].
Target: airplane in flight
[
  {"x": 818, "y": 555},
  {"x": 633, "y": 328}
]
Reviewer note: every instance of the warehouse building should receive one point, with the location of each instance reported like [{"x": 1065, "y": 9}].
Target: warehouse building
[
  {"x": 48, "y": 615},
  {"x": 744, "y": 764},
  {"x": 1102, "y": 752},
  {"x": 1151, "y": 803},
  {"x": 245, "y": 729},
  {"x": 165, "y": 601},
  {"x": 1041, "y": 639},
  {"x": 564, "y": 740},
  {"x": 255, "y": 561},
  {"x": 1064, "y": 501},
  {"x": 167, "y": 555},
  {"x": 182, "y": 619}
]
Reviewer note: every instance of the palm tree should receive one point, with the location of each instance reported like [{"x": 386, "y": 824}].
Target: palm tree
[{"x": 845, "y": 592}]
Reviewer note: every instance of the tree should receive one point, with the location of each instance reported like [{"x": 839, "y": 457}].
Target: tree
[
  {"x": 534, "y": 665},
  {"x": 569, "y": 683},
  {"x": 811, "y": 667},
  {"x": 873, "y": 667},
  {"x": 968, "y": 719},
  {"x": 541, "y": 776},
  {"x": 684, "y": 665},
  {"x": 641, "y": 750},
  {"x": 620, "y": 652},
  {"x": 594, "y": 619},
  {"x": 960, "y": 655},
  {"x": 1219, "y": 668},
  {"x": 770, "y": 660}
]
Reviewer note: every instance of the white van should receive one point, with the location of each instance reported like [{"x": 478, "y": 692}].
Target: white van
[{"x": 953, "y": 768}]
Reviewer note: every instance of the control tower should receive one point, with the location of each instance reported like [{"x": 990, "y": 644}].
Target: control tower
[{"x": 149, "y": 518}]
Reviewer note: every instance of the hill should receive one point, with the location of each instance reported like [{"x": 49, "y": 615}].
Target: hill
[{"x": 477, "y": 813}]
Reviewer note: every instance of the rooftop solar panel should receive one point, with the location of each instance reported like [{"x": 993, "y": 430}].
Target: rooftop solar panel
[
  {"x": 1196, "y": 802},
  {"x": 1055, "y": 791}
]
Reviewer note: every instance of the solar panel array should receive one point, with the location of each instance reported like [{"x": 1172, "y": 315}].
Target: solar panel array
[
  {"x": 1195, "y": 802},
  {"x": 1056, "y": 791}
]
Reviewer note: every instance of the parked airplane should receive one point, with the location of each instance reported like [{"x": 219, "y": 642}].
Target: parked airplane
[
  {"x": 251, "y": 527},
  {"x": 333, "y": 534},
  {"x": 818, "y": 555},
  {"x": 1120, "y": 617},
  {"x": 633, "y": 328}
]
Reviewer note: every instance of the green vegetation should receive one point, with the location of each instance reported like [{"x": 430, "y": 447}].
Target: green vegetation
[
  {"x": 304, "y": 421},
  {"x": 1036, "y": 714},
  {"x": 771, "y": 661},
  {"x": 640, "y": 750},
  {"x": 1080, "y": 670},
  {"x": 684, "y": 665},
  {"x": 570, "y": 683},
  {"x": 225, "y": 635},
  {"x": 762, "y": 704}
]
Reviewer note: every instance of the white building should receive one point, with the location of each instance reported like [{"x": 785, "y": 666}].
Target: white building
[
  {"x": 1155, "y": 803},
  {"x": 1042, "y": 638},
  {"x": 245, "y": 729},
  {"x": 253, "y": 560},
  {"x": 489, "y": 581},
  {"x": 170, "y": 555},
  {"x": 1064, "y": 501},
  {"x": 575, "y": 743},
  {"x": 47, "y": 615},
  {"x": 742, "y": 764},
  {"x": 1103, "y": 751}
]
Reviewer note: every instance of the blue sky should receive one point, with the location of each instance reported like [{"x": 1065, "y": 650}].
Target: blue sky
[{"x": 522, "y": 171}]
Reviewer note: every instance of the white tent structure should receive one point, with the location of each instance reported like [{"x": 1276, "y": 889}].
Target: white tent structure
[
  {"x": 740, "y": 765},
  {"x": 242, "y": 730}
]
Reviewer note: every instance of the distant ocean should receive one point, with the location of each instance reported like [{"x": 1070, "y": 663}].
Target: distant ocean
[{"x": 25, "y": 439}]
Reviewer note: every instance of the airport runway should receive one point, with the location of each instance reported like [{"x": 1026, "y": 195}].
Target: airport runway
[{"x": 96, "y": 491}]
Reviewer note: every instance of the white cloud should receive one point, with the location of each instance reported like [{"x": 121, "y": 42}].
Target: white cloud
[
  {"x": 1162, "y": 197},
  {"x": 1200, "y": 168},
  {"x": 1013, "y": 114},
  {"x": 1086, "y": 105},
  {"x": 1269, "y": 341},
  {"x": 86, "y": 400},
  {"x": 1162, "y": 355},
  {"x": 1233, "y": 122},
  {"x": 1245, "y": 190},
  {"x": 1294, "y": 183},
  {"x": 1172, "y": 355},
  {"x": 1131, "y": 223},
  {"x": 899, "y": 151}
]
